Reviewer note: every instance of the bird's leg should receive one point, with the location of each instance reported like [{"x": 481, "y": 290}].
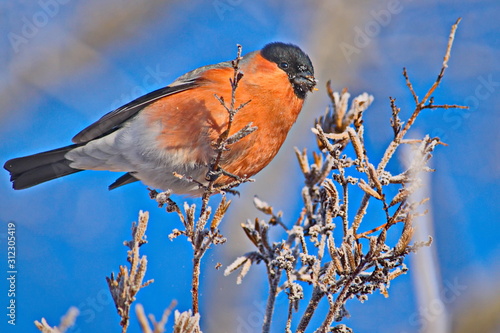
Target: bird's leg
[{"x": 227, "y": 173}]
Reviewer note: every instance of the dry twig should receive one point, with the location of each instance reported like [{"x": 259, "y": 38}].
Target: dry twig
[
  {"x": 357, "y": 264},
  {"x": 129, "y": 281},
  {"x": 158, "y": 326},
  {"x": 67, "y": 321}
]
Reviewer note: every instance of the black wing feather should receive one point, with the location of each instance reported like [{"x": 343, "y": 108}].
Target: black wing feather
[
  {"x": 113, "y": 120},
  {"x": 123, "y": 180}
]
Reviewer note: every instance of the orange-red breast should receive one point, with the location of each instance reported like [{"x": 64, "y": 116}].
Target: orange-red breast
[{"x": 171, "y": 130}]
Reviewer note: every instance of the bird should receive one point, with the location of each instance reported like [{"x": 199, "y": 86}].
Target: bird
[{"x": 171, "y": 131}]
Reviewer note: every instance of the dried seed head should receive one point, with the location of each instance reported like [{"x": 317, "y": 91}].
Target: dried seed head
[
  {"x": 372, "y": 172},
  {"x": 405, "y": 192},
  {"x": 303, "y": 160},
  {"x": 368, "y": 190},
  {"x": 356, "y": 143},
  {"x": 220, "y": 212},
  {"x": 295, "y": 292},
  {"x": 405, "y": 238},
  {"x": 262, "y": 206}
]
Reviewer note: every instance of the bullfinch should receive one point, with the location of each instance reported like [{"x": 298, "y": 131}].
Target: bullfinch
[{"x": 171, "y": 131}]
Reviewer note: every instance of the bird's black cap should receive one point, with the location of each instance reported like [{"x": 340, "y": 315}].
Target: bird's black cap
[{"x": 295, "y": 62}]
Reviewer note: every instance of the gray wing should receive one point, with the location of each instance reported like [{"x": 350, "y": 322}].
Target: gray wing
[{"x": 113, "y": 120}]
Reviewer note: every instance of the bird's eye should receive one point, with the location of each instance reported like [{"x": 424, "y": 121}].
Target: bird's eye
[{"x": 283, "y": 65}]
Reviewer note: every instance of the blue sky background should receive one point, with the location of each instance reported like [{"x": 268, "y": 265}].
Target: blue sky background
[{"x": 81, "y": 59}]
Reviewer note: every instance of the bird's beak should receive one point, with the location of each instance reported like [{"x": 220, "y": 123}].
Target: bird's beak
[{"x": 305, "y": 79}]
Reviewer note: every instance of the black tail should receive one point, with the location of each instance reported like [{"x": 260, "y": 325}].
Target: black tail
[{"x": 35, "y": 169}]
